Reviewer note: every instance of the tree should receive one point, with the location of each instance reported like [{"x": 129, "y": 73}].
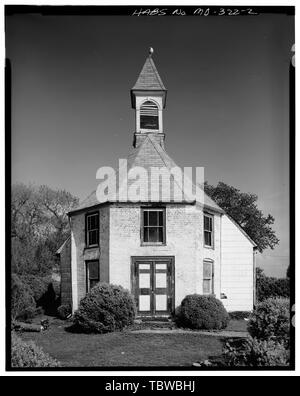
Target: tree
[
  {"x": 242, "y": 208},
  {"x": 39, "y": 225},
  {"x": 270, "y": 287}
]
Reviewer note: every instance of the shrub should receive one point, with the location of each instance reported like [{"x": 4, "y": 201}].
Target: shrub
[
  {"x": 202, "y": 312},
  {"x": 271, "y": 320},
  {"x": 268, "y": 287},
  {"x": 64, "y": 311},
  {"x": 45, "y": 291},
  {"x": 22, "y": 300},
  {"x": 27, "y": 354},
  {"x": 104, "y": 309},
  {"x": 255, "y": 353}
]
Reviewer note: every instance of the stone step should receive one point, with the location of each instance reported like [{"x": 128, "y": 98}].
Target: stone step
[
  {"x": 157, "y": 319},
  {"x": 155, "y": 324}
]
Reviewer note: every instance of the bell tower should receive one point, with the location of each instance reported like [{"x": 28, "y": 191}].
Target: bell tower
[{"x": 148, "y": 98}]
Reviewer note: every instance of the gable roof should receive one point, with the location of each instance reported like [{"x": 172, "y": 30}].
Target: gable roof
[
  {"x": 147, "y": 155},
  {"x": 242, "y": 231},
  {"x": 149, "y": 79}
]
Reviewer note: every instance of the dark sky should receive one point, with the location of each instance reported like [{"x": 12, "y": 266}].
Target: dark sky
[{"x": 227, "y": 105}]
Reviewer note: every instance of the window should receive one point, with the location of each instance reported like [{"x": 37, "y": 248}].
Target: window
[
  {"x": 149, "y": 115},
  {"x": 208, "y": 277},
  {"x": 92, "y": 229},
  {"x": 92, "y": 274},
  {"x": 208, "y": 230},
  {"x": 153, "y": 227}
]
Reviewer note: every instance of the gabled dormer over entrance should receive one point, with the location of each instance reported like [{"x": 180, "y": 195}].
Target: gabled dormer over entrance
[{"x": 148, "y": 98}]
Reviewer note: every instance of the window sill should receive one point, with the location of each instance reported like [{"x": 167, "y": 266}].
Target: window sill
[
  {"x": 149, "y": 130},
  {"x": 153, "y": 244},
  {"x": 91, "y": 247},
  {"x": 209, "y": 247}
]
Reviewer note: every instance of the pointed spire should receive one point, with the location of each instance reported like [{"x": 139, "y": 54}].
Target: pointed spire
[{"x": 149, "y": 79}]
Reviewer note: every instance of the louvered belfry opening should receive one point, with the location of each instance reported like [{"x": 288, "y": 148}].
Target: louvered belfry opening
[{"x": 149, "y": 115}]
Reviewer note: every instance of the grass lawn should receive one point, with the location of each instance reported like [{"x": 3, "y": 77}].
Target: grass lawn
[{"x": 125, "y": 348}]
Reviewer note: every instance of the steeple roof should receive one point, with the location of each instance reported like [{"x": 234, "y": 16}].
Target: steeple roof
[{"x": 149, "y": 79}]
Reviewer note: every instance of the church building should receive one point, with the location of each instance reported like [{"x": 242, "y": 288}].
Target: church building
[{"x": 159, "y": 250}]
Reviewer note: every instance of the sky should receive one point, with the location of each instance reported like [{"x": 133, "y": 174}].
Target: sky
[{"x": 227, "y": 104}]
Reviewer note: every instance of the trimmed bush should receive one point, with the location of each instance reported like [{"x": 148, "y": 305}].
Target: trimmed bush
[
  {"x": 22, "y": 300},
  {"x": 271, "y": 320},
  {"x": 202, "y": 312},
  {"x": 255, "y": 353},
  {"x": 105, "y": 308},
  {"x": 27, "y": 354},
  {"x": 64, "y": 311}
]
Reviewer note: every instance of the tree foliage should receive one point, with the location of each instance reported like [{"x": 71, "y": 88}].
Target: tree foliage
[
  {"x": 269, "y": 287},
  {"x": 39, "y": 224},
  {"x": 242, "y": 208}
]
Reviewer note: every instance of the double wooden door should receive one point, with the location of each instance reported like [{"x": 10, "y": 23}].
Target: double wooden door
[{"x": 153, "y": 285}]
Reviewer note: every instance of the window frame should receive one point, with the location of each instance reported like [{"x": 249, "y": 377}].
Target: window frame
[
  {"x": 212, "y": 278},
  {"x": 88, "y": 245},
  {"x": 210, "y": 216},
  {"x": 87, "y": 277},
  {"x": 153, "y": 209},
  {"x": 141, "y": 115}
]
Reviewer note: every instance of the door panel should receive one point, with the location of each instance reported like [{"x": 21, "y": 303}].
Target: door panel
[
  {"x": 144, "y": 303},
  {"x": 144, "y": 284},
  {"x": 161, "y": 287},
  {"x": 153, "y": 285},
  {"x": 161, "y": 302}
]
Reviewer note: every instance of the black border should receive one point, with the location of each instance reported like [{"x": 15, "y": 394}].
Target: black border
[
  {"x": 128, "y": 10},
  {"x": 11, "y": 10}
]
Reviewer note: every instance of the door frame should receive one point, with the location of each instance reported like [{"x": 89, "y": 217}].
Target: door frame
[{"x": 170, "y": 295}]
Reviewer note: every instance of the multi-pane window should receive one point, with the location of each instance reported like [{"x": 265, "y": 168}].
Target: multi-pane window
[
  {"x": 149, "y": 115},
  {"x": 208, "y": 277},
  {"x": 92, "y": 274},
  {"x": 92, "y": 229},
  {"x": 208, "y": 230},
  {"x": 153, "y": 226}
]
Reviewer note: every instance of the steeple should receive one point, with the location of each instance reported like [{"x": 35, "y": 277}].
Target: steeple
[{"x": 148, "y": 98}]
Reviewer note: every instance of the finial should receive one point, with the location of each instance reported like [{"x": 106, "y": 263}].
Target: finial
[{"x": 151, "y": 50}]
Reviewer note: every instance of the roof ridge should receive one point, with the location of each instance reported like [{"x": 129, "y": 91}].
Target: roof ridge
[
  {"x": 163, "y": 160},
  {"x": 155, "y": 145},
  {"x": 156, "y": 72},
  {"x": 134, "y": 155},
  {"x": 137, "y": 150}
]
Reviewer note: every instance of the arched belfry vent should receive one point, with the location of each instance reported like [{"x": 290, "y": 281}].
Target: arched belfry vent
[{"x": 149, "y": 115}]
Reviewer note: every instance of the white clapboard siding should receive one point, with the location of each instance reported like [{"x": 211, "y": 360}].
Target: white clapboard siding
[{"x": 236, "y": 268}]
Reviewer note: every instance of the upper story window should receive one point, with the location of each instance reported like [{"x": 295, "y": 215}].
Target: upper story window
[
  {"x": 92, "y": 229},
  {"x": 153, "y": 226},
  {"x": 149, "y": 115},
  {"x": 208, "y": 277},
  {"x": 208, "y": 230}
]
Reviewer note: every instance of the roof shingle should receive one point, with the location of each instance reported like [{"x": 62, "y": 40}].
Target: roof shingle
[
  {"x": 148, "y": 155},
  {"x": 149, "y": 78}
]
